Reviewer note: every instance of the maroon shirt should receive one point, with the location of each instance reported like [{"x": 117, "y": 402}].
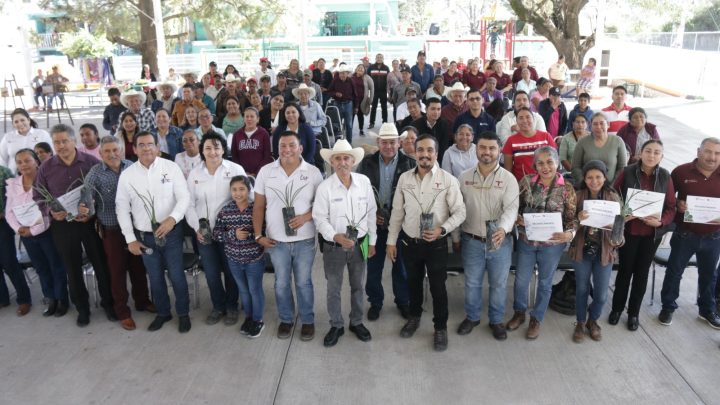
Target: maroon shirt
[
  {"x": 359, "y": 89},
  {"x": 474, "y": 81},
  {"x": 450, "y": 112},
  {"x": 502, "y": 81},
  {"x": 59, "y": 178},
  {"x": 449, "y": 79},
  {"x": 251, "y": 153},
  {"x": 689, "y": 181},
  {"x": 637, "y": 227},
  {"x": 344, "y": 87},
  {"x": 517, "y": 75}
]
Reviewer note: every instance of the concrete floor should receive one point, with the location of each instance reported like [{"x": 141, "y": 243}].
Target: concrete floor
[{"x": 53, "y": 361}]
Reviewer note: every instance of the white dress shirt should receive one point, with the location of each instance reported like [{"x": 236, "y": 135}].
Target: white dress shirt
[
  {"x": 12, "y": 142},
  {"x": 187, "y": 163},
  {"x": 215, "y": 189},
  {"x": 164, "y": 181},
  {"x": 269, "y": 72},
  {"x": 272, "y": 176},
  {"x": 508, "y": 120},
  {"x": 335, "y": 204}
]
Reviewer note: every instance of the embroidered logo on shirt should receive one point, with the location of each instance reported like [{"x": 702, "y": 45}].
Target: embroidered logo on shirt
[{"x": 164, "y": 178}]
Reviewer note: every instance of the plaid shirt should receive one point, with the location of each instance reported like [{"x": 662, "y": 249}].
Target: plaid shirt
[
  {"x": 105, "y": 181},
  {"x": 5, "y": 174},
  {"x": 145, "y": 120}
]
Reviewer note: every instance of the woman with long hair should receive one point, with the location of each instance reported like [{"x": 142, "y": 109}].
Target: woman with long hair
[{"x": 24, "y": 135}]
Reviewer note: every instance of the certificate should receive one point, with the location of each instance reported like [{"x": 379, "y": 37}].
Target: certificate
[
  {"x": 645, "y": 203},
  {"x": 70, "y": 201},
  {"x": 601, "y": 213},
  {"x": 28, "y": 214},
  {"x": 541, "y": 226},
  {"x": 702, "y": 210}
]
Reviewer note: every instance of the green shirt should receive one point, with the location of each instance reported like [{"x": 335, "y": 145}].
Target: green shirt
[{"x": 5, "y": 174}]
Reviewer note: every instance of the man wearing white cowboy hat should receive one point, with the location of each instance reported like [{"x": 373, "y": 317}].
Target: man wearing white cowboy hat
[
  {"x": 232, "y": 88},
  {"x": 134, "y": 101},
  {"x": 342, "y": 91},
  {"x": 344, "y": 215},
  {"x": 384, "y": 168},
  {"x": 311, "y": 109},
  {"x": 167, "y": 97},
  {"x": 457, "y": 105},
  {"x": 187, "y": 101}
]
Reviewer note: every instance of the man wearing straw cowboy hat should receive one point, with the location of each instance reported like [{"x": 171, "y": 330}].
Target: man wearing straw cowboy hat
[
  {"x": 134, "y": 101},
  {"x": 384, "y": 168},
  {"x": 344, "y": 214},
  {"x": 457, "y": 105},
  {"x": 167, "y": 97},
  {"x": 341, "y": 89},
  {"x": 311, "y": 108},
  {"x": 307, "y": 79}
]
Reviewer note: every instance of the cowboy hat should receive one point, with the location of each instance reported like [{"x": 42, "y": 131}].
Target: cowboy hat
[
  {"x": 129, "y": 93},
  {"x": 345, "y": 68},
  {"x": 232, "y": 78},
  {"x": 170, "y": 84},
  {"x": 458, "y": 87},
  {"x": 303, "y": 87},
  {"x": 387, "y": 131},
  {"x": 343, "y": 147}
]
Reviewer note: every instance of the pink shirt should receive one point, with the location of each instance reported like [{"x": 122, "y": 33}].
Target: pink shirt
[
  {"x": 554, "y": 123},
  {"x": 539, "y": 97},
  {"x": 94, "y": 152},
  {"x": 16, "y": 195}
]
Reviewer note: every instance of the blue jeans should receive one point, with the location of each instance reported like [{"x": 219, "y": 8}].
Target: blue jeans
[
  {"x": 48, "y": 265},
  {"x": 476, "y": 261},
  {"x": 375, "y": 266},
  {"x": 294, "y": 259},
  {"x": 547, "y": 259},
  {"x": 600, "y": 280},
  {"x": 170, "y": 258},
  {"x": 248, "y": 277},
  {"x": 9, "y": 263},
  {"x": 706, "y": 249},
  {"x": 224, "y": 298},
  {"x": 346, "y": 113}
]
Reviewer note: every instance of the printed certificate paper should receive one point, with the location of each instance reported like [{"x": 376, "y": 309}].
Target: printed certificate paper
[
  {"x": 702, "y": 210},
  {"x": 28, "y": 214},
  {"x": 645, "y": 203},
  {"x": 70, "y": 201},
  {"x": 601, "y": 213},
  {"x": 541, "y": 226}
]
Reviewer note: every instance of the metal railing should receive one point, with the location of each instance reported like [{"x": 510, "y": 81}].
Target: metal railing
[{"x": 694, "y": 41}]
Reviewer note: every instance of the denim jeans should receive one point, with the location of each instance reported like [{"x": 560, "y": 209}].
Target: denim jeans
[
  {"x": 9, "y": 263},
  {"x": 224, "y": 298},
  {"x": 706, "y": 249},
  {"x": 600, "y": 280},
  {"x": 170, "y": 258},
  {"x": 346, "y": 113},
  {"x": 248, "y": 277},
  {"x": 48, "y": 265},
  {"x": 476, "y": 261},
  {"x": 294, "y": 259},
  {"x": 375, "y": 266},
  {"x": 547, "y": 259}
]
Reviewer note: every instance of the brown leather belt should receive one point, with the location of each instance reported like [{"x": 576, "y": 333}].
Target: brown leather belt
[{"x": 472, "y": 236}]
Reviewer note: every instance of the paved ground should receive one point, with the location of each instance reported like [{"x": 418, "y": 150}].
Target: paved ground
[{"x": 51, "y": 360}]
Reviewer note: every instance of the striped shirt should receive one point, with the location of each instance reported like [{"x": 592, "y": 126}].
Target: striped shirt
[
  {"x": 104, "y": 182},
  {"x": 229, "y": 219},
  {"x": 520, "y": 150}
]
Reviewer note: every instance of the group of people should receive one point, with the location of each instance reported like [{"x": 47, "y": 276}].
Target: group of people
[{"x": 451, "y": 177}]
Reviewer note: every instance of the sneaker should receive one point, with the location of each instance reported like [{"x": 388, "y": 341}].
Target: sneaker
[
  {"x": 214, "y": 317},
  {"x": 231, "y": 318},
  {"x": 594, "y": 330},
  {"x": 255, "y": 329},
  {"x": 665, "y": 317},
  {"x": 466, "y": 326},
  {"x": 410, "y": 327},
  {"x": 440, "y": 340},
  {"x": 245, "y": 327},
  {"x": 284, "y": 330},
  {"x": 517, "y": 320},
  {"x": 579, "y": 333},
  {"x": 712, "y": 319}
]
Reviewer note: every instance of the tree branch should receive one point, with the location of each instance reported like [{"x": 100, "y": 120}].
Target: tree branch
[{"x": 122, "y": 41}]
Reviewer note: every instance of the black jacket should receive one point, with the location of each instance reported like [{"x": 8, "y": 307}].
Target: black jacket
[
  {"x": 370, "y": 167},
  {"x": 379, "y": 74}
]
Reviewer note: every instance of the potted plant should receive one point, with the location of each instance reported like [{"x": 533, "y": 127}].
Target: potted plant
[
  {"x": 205, "y": 230},
  {"x": 618, "y": 228},
  {"x": 149, "y": 206},
  {"x": 353, "y": 227},
  {"x": 426, "y": 216},
  {"x": 288, "y": 197},
  {"x": 87, "y": 194},
  {"x": 49, "y": 200},
  {"x": 383, "y": 211}
]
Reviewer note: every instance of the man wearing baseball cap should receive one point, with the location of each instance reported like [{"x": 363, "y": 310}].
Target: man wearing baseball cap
[
  {"x": 265, "y": 70},
  {"x": 553, "y": 112}
]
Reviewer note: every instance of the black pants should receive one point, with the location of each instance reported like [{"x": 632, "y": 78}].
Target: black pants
[
  {"x": 360, "y": 118},
  {"x": 70, "y": 238},
  {"x": 636, "y": 256},
  {"x": 418, "y": 257},
  {"x": 380, "y": 95}
]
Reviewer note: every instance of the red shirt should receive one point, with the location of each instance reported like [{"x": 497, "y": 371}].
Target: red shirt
[
  {"x": 616, "y": 118},
  {"x": 689, "y": 181},
  {"x": 522, "y": 150},
  {"x": 474, "y": 81}
]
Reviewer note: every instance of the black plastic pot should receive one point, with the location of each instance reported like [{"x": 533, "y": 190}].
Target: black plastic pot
[
  {"x": 159, "y": 242},
  {"x": 55, "y": 206},
  {"x": 384, "y": 213},
  {"x": 352, "y": 234},
  {"x": 86, "y": 197},
  {"x": 205, "y": 231},
  {"x": 618, "y": 229},
  {"x": 490, "y": 228},
  {"x": 426, "y": 222},
  {"x": 288, "y": 214}
]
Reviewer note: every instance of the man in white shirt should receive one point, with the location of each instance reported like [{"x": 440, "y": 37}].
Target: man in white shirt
[
  {"x": 508, "y": 124},
  {"x": 289, "y": 182},
  {"x": 265, "y": 71},
  {"x": 427, "y": 207},
  {"x": 152, "y": 198},
  {"x": 345, "y": 204}
]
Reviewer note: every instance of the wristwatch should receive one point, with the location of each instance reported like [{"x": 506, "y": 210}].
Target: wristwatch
[
  {"x": 257, "y": 238},
  {"x": 443, "y": 231}
]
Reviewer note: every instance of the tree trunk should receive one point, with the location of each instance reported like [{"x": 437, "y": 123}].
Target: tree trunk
[{"x": 148, "y": 38}]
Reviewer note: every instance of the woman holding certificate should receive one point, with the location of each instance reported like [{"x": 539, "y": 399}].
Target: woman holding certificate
[
  {"x": 648, "y": 188},
  {"x": 592, "y": 252},
  {"x": 546, "y": 223}
]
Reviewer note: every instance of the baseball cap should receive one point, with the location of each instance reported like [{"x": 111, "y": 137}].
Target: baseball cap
[
  {"x": 263, "y": 59},
  {"x": 405, "y": 69},
  {"x": 307, "y": 72},
  {"x": 555, "y": 91}
]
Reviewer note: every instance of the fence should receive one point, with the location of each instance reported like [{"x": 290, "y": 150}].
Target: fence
[{"x": 694, "y": 41}]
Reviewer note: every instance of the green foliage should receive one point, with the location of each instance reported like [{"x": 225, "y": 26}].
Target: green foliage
[
  {"x": 82, "y": 44},
  {"x": 707, "y": 19}
]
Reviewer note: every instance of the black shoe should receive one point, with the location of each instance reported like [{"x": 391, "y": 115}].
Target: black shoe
[
  {"x": 614, "y": 318},
  {"x": 255, "y": 329},
  {"x": 410, "y": 327},
  {"x": 466, "y": 326},
  {"x": 184, "y": 325},
  {"x": 373, "y": 313},
  {"x": 158, "y": 322},
  {"x": 333, "y": 336},
  {"x": 51, "y": 308},
  {"x": 712, "y": 319},
  {"x": 110, "y": 314},
  {"x": 498, "y": 331},
  {"x": 61, "y": 310},
  {"x": 440, "y": 342},
  {"x": 665, "y": 317},
  {"x": 633, "y": 323},
  {"x": 404, "y": 311},
  {"x": 361, "y": 332},
  {"x": 83, "y": 319},
  {"x": 245, "y": 327}
]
